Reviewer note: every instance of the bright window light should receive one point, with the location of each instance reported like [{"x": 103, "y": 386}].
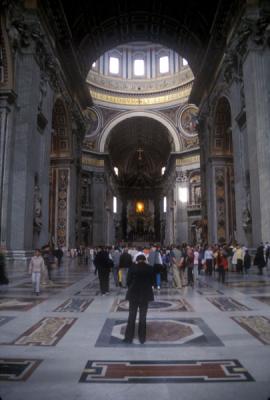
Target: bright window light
[
  {"x": 114, "y": 65},
  {"x": 163, "y": 170},
  {"x": 94, "y": 65},
  {"x": 164, "y": 204},
  {"x": 139, "y": 67},
  {"x": 185, "y": 62},
  {"x": 114, "y": 204},
  {"x": 183, "y": 194},
  {"x": 164, "y": 64},
  {"x": 116, "y": 171}
]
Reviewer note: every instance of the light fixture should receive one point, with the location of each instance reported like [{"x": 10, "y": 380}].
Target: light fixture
[{"x": 139, "y": 207}]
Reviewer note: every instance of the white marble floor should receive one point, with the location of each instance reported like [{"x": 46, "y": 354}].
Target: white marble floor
[{"x": 47, "y": 342}]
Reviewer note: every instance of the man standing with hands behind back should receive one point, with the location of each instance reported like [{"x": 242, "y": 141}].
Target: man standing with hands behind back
[{"x": 140, "y": 292}]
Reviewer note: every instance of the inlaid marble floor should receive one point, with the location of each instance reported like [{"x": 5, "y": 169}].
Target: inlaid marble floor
[{"x": 208, "y": 342}]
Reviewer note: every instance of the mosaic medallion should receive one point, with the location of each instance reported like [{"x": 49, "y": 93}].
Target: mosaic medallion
[
  {"x": 203, "y": 371},
  {"x": 188, "y": 120},
  {"x": 15, "y": 369},
  {"x": 227, "y": 304},
  {"x": 157, "y": 305},
  {"x": 47, "y": 332},
  {"x": 74, "y": 305},
  {"x": 257, "y": 326},
  {"x": 263, "y": 299},
  {"x": 4, "y": 320},
  {"x": 161, "y": 332},
  {"x": 18, "y": 304}
]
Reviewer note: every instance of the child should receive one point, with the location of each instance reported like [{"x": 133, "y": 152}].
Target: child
[{"x": 36, "y": 267}]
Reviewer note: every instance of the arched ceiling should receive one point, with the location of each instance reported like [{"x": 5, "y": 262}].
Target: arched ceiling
[
  {"x": 139, "y": 147},
  {"x": 185, "y": 26}
]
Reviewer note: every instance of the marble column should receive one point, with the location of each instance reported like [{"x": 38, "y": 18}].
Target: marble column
[
  {"x": 26, "y": 152},
  {"x": 240, "y": 163},
  {"x": 6, "y": 127},
  {"x": 256, "y": 74}
]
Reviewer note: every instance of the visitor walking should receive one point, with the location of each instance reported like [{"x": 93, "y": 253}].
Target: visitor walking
[{"x": 36, "y": 267}]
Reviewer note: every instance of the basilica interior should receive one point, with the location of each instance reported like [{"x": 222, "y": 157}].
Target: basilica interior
[
  {"x": 135, "y": 123},
  {"x": 141, "y": 104}
]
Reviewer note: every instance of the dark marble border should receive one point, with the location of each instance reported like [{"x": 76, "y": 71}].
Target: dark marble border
[
  {"x": 17, "y": 369},
  {"x": 201, "y": 371}
]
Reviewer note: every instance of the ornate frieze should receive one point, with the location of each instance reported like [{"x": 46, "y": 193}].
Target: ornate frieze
[
  {"x": 93, "y": 162},
  {"x": 143, "y": 100},
  {"x": 140, "y": 86},
  {"x": 187, "y": 160}
]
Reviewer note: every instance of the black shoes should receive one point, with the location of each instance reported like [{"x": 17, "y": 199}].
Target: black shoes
[{"x": 129, "y": 341}]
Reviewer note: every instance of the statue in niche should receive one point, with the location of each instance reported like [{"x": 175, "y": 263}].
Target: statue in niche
[
  {"x": 246, "y": 219},
  {"x": 37, "y": 206},
  {"x": 198, "y": 233}
]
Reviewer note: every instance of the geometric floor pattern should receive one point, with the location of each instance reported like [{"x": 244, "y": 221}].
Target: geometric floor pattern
[
  {"x": 256, "y": 325},
  {"x": 203, "y": 371},
  {"x": 46, "y": 332},
  {"x": 14, "y": 369},
  {"x": 74, "y": 305},
  {"x": 168, "y": 305},
  {"x": 264, "y": 299},
  {"x": 227, "y": 304},
  {"x": 161, "y": 332},
  {"x": 213, "y": 336},
  {"x": 18, "y": 304}
]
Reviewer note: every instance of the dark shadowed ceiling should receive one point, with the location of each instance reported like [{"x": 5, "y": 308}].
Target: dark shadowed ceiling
[
  {"x": 139, "y": 147},
  {"x": 96, "y": 26}
]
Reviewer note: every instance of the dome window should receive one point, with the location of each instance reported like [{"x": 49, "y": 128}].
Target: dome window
[
  {"x": 114, "y": 65},
  {"x": 139, "y": 68},
  {"x": 164, "y": 65}
]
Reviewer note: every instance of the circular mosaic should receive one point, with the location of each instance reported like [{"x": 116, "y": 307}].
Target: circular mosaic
[
  {"x": 188, "y": 120},
  {"x": 93, "y": 119}
]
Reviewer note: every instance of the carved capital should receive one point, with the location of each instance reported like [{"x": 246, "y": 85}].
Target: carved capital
[
  {"x": 181, "y": 176},
  {"x": 98, "y": 177}
]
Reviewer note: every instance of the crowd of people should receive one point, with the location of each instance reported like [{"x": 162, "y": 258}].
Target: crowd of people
[{"x": 182, "y": 263}]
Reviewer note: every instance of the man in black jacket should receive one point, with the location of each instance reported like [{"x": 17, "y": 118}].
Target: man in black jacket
[
  {"x": 125, "y": 263},
  {"x": 140, "y": 292},
  {"x": 103, "y": 266}
]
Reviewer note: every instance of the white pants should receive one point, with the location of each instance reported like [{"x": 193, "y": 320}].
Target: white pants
[{"x": 36, "y": 280}]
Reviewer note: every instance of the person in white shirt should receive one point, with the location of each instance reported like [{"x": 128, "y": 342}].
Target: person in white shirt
[
  {"x": 195, "y": 263},
  {"x": 208, "y": 256},
  {"x": 36, "y": 267}
]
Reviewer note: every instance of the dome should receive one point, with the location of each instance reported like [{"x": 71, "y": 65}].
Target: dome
[{"x": 140, "y": 74}]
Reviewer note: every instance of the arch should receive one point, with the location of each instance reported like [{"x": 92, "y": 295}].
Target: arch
[{"x": 148, "y": 114}]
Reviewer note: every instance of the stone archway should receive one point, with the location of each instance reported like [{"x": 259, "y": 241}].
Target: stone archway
[{"x": 149, "y": 114}]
